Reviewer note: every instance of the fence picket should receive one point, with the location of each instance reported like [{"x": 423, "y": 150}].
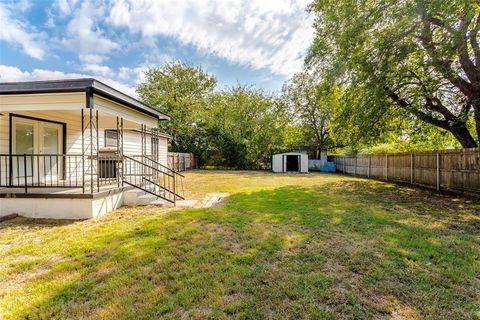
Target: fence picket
[{"x": 453, "y": 170}]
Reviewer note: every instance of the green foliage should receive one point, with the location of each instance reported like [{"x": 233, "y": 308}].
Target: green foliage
[
  {"x": 183, "y": 92},
  {"x": 284, "y": 247},
  {"x": 244, "y": 127},
  {"x": 237, "y": 127},
  {"x": 311, "y": 101},
  {"x": 400, "y": 59}
]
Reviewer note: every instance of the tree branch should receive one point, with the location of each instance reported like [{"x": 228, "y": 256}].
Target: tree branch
[
  {"x": 419, "y": 114},
  {"x": 444, "y": 66},
  {"x": 473, "y": 40},
  {"x": 472, "y": 72}
]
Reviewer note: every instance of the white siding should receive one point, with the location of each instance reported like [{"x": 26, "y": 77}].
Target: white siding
[
  {"x": 4, "y": 133},
  {"x": 71, "y": 119},
  {"x": 132, "y": 140},
  {"x": 49, "y": 106},
  {"x": 132, "y": 144},
  {"x": 43, "y": 101},
  {"x": 163, "y": 150},
  {"x": 116, "y": 109}
]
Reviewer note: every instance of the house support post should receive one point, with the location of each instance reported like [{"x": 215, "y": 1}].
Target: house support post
[
  {"x": 119, "y": 157},
  {"x": 97, "y": 147},
  {"x": 144, "y": 141},
  {"x": 90, "y": 117},
  {"x": 25, "y": 172},
  {"x": 121, "y": 149},
  {"x": 83, "y": 151}
]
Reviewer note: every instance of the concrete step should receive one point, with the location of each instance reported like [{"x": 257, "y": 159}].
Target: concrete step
[
  {"x": 137, "y": 197},
  {"x": 186, "y": 203},
  {"x": 161, "y": 203},
  {"x": 146, "y": 199},
  {"x": 130, "y": 197}
]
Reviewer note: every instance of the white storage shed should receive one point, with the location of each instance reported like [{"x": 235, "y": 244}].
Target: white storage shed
[{"x": 290, "y": 162}]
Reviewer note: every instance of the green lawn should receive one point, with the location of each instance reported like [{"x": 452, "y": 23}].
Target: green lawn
[{"x": 311, "y": 246}]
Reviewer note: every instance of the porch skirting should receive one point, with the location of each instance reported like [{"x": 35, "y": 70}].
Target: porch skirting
[{"x": 61, "y": 208}]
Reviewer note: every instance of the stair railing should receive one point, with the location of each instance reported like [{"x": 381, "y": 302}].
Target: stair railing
[{"x": 152, "y": 177}]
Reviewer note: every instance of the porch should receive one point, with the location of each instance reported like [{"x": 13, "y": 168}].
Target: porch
[{"x": 80, "y": 145}]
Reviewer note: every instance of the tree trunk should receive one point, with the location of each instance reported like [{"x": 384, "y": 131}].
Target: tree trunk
[
  {"x": 476, "y": 117},
  {"x": 463, "y": 136}
]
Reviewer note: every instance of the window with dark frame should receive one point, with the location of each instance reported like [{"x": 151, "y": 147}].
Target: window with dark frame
[{"x": 111, "y": 138}]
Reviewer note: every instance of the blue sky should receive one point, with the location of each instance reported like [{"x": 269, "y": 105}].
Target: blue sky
[{"x": 252, "y": 42}]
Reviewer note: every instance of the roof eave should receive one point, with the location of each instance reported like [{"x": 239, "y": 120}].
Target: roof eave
[{"x": 80, "y": 85}]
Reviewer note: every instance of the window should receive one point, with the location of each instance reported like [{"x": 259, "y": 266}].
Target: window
[{"x": 111, "y": 138}]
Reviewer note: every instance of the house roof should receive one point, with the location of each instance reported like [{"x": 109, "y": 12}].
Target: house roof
[{"x": 88, "y": 85}]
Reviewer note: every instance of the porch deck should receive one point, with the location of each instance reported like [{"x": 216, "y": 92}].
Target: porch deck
[{"x": 58, "y": 192}]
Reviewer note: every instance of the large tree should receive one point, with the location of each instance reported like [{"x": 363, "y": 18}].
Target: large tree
[
  {"x": 182, "y": 91},
  {"x": 418, "y": 58},
  {"x": 244, "y": 127},
  {"x": 311, "y": 102}
]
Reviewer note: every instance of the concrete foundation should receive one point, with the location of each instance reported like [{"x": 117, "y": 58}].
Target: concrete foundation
[{"x": 54, "y": 208}]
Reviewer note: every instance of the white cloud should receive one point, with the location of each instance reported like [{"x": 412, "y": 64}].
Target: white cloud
[
  {"x": 65, "y": 6},
  {"x": 91, "y": 58},
  {"x": 132, "y": 75},
  {"x": 98, "y": 69},
  {"x": 10, "y": 74},
  {"x": 261, "y": 34},
  {"x": 83, "y": 35},
  {"x": 15, "y": 32}
]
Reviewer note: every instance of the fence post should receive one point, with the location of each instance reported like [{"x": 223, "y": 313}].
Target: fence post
[
  {"x": 411, "y": 167},
  {"x": 369, "y": 163},
  {"x": 355, "y": 167},
  {"x": 438, "y": 171},
  {"x": 386, "y": 167}
]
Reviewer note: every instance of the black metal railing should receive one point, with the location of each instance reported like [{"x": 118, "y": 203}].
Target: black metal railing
[
  {"x": 109, "y": 169},
  {"x": 42, "y": 171},
  {"x": 149, "y": 175},
  {"x": 89, "y": 174},
  {"x": 177, "y": 177}
]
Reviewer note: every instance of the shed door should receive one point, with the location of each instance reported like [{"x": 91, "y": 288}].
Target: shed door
[{"x": 293, "y": 163}]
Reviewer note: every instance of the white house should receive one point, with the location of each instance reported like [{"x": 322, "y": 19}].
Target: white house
[
  {"x": 73, "y": 148},
  {"x": 290, "y": 162}
]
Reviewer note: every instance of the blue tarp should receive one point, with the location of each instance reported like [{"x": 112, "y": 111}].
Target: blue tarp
[{"x": 328, "y": 167}]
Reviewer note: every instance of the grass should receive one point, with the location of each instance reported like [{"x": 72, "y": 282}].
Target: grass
[{"x": 312, "y": 246}]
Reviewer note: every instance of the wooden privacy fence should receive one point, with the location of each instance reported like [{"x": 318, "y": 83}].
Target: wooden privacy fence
[
  {"x": 452, "y": 170},
  {"x": 181, "y": 161}
]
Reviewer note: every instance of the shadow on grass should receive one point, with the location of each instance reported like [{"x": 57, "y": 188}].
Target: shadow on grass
[
  {"x": 343, "y": 250},
  {"x": 268, "y": 173},
  {"x": 34, "y": 224}
]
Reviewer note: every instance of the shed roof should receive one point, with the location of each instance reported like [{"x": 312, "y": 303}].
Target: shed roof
[
  {"x": 291, "y": 152},
  {"x": 88, "y": 85}
]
